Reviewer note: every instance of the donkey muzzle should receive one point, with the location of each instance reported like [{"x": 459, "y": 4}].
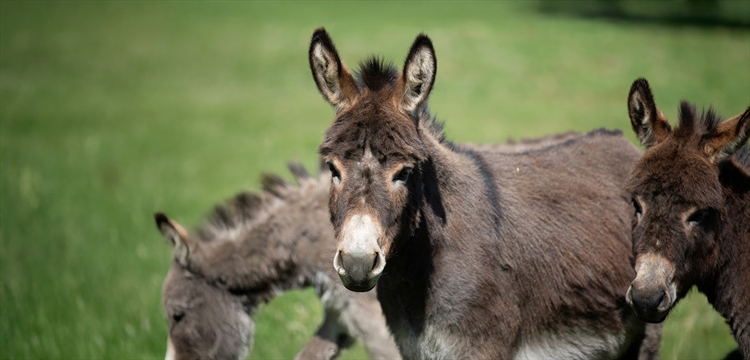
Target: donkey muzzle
[
  {"x": 652, "y": 294},
  {"x": 359, "y": 260},
  {"x": 651, "y": 305}
]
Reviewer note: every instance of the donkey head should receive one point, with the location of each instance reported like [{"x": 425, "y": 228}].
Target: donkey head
[
  {"x": 679, "y": 210},
  {"x": 373, "y": 151},
  {"x": 205, "y": 321}
]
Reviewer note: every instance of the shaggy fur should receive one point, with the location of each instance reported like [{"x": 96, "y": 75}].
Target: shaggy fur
[
  {"x": 218, "y": 299},
  {"x": 490, "y": 255},
  {"x": 251, "y": 249},
  {"x": 692, "y": 201}
]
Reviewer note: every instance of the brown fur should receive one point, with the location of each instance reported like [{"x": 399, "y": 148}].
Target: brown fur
[
  {"x": 693, "y": 209},
  {"x": 489, "y": 254},
  {"x": 214, "y": 328},
  {"x": 253, "y": 248}
]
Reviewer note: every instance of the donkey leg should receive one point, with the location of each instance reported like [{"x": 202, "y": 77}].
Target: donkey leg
[
  {"x": 645, "y": 347},
  {"x": 651, "y": 343},
  {"x": 364, "y": 319},
  {"x": 330, "y": 338},
  {"x": 318, "y": 348}
]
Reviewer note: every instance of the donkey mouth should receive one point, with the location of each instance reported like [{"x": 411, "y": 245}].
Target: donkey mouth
[
  {"x": 653, "y": 317},
  {"x": 652, "y": 309},
  {"x": 359, "y": 272},
  {"x": 363, "y": 285}
]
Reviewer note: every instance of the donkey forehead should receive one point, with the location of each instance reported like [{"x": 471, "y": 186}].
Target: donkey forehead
[
  {"x": 677, "y": 174},
  {"x": 183, "y": 289},
  {"x": 377, "y": 127}
]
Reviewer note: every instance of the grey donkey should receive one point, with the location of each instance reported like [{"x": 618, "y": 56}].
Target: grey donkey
[{"x": 251, "y": 249}]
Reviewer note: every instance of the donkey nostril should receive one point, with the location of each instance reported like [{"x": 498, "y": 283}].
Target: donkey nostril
[
  {"x": 659, "y": 299},
  {"x": 629, "y": 295},
  {"x": 663, "y": 302},
  {"x": 375, "y": 261},
  {"x": 337, "y": 262}
]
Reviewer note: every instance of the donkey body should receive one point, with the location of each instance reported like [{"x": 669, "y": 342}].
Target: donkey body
[
  {"x": 253, "y": 248},
  {"x": 476, "y": 253},
  {"x": 217, "y": 280},
  {"x": 691, "y": 225}
]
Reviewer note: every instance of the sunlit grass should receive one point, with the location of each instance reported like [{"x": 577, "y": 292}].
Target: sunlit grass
[{"x": 112, "y": 111}]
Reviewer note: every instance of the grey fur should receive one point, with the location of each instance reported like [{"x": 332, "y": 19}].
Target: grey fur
[
  {"x": 489, "y": 255},
  {"x": 253, "y": 248}
]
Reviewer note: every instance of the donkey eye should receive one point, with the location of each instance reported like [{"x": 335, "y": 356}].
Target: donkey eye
[
  {"x": 178, "y": 315},
  {"x": 334, "y": 172},
  {"x": 403, "y": 175},
  {"x": 637, "y": 207},
  {"x": 699, "y": 218}
]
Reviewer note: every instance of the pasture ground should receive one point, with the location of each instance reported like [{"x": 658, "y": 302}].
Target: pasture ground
[{"x": 110, "y": 111}]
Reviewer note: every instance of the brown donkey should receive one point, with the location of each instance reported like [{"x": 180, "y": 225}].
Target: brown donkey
[
  {"x": 253, "y": 248},
  {"x": 218, "y": 322},
  {"x": 476, "y": 254},
  {"x": 691, "y": 193}
]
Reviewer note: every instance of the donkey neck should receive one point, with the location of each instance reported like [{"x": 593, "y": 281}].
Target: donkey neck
[
  {"x": 280, "y": 248},
  {"x": 458, "y": 179},
  {"x": 455, "y": 190},
  {"x": 302, "y": 226},
  {"x": 728, "y": 289}
]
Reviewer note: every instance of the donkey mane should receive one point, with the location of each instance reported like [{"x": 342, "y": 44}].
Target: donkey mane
[
  {"x": 691, "y": 123},
  {"x": 526, "y": 145},
  {"x": 240, "y": 212},
  {"x": 376, "y": 73}
]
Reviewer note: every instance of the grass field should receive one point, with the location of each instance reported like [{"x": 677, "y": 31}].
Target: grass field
[{"x": 112, "y": 111}]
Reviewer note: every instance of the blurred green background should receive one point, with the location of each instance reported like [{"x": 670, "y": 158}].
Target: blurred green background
[{"x": 110, "y": 111}]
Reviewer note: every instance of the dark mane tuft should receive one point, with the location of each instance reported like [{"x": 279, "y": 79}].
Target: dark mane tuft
[
  {"x": 431, "y": 124},
  {"x": 375, "y": 74},
  {"x": 248, "y": 203},
  {"x": 690, "y": 122},
  {"x": 274, "y": 184},
  {"x": 299, "y": 172},
  {"x": 230, "y": 215},
  {"x": 709, "y": 119},
  {"x": 239, "y": 212}
]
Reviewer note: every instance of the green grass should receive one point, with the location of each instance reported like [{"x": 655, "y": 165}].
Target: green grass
[{"x": 112, "y": 111}]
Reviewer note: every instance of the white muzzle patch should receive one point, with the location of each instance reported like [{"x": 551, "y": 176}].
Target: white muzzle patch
[{"x": 170, "y": 350}]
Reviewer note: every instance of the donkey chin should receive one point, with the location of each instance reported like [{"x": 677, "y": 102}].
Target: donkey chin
[
  {"x": 653, "y": 293},
  {"x": 359, "y": 260}
]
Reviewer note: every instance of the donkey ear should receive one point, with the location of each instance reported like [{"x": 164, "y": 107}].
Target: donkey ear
[
  {"x": 176, "y": 235},
  {"x": 648, "y": 122},
  {"x": 418, "y": 74},
  {"x": 727, "y": 137},
  {"x": 334, "y": 81}
]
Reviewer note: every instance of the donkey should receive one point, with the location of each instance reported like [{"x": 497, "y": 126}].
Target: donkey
[
  {"x": 219, "y": 324},
  {"x": 476, "y": 254},
  {"x": 251, "y": 249},
  {"x": 691, "y": 224}
]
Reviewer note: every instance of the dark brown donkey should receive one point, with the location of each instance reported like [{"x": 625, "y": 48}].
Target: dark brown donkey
[
  {"x": 253, "y": 248},
  {"x": 691, "y": 193},
  {"x": 476, "y": 254}
]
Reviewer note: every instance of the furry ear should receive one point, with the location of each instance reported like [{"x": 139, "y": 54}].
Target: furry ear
[
  {"x": 648, "y": 122},
  {"x": 176, "y": 235},
  {"x": 418, "y": 75},
  {"x": 727, "y": 137},
  {"x": 334, "y": 81}
]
